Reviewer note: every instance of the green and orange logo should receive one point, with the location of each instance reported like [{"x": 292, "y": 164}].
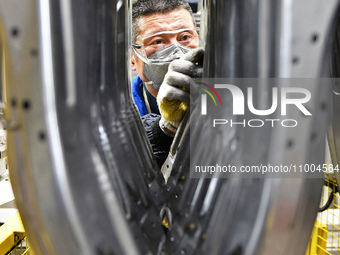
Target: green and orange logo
[{"x": 204, "y": 97}]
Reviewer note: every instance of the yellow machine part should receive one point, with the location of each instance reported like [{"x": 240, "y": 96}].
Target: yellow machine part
[{"x": 11, "y": 234}]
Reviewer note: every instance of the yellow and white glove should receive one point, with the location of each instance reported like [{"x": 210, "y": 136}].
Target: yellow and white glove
[{"x": 174, "y": 94}]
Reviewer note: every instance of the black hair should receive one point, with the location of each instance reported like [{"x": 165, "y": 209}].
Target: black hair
[{"x": 148, "y": 7}]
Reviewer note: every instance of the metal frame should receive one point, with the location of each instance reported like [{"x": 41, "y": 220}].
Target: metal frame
[{"x": 76, "y": 131}]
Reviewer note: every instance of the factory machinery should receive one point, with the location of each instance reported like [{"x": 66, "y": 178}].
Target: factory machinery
[{"x": 81, "y": 166}]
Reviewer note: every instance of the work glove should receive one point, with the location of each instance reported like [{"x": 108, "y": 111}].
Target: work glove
[{"x": 174, "y": 94}]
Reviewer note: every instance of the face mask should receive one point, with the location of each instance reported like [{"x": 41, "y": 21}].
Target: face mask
[{"x": 156, "y": 69}]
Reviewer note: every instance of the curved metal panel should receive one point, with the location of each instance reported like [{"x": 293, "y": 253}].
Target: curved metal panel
[
  {"x": 334, "y": 127},
  {"x": 259, "y": 39},
  {"x": 78, "y": 126},
  {"x": 82, "y": 168}
]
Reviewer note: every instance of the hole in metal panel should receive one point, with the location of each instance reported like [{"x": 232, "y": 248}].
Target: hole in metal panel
[
  {"x": 15, "y": 32},
  {"x": 26, "y": 104},
  {"x": 315, "y": 38},
  {"x": 295, "y": 60},
  {"x": 42, "y": 135},
  {"x": 323, "y": 106},
  {"x": 34, "y": 52},
  {"x": 290, "y": 144}
]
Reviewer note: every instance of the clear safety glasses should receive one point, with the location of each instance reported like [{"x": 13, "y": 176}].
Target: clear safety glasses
[{"x": 148, "y": 44}]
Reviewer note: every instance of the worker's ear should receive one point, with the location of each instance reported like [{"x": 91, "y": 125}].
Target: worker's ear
[{"x": 133, "y": 63}]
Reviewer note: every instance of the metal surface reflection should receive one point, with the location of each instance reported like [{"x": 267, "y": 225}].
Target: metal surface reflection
[
  {"x": 82, "y": 169},
  {"x": 257, "y": 39},
  {"x": 334, "y": 127},
  {"x": 83, "y": 173}
]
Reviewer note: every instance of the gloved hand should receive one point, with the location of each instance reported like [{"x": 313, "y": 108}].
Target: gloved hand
[{"x": 174, "y": 94}]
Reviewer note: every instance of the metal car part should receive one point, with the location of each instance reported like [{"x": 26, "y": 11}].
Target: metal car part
[
  {"x": 59, "y": 70},
  {"x": 82, "y": 169},
  {"x": 334, "y": 127},
  {"x": 263, "y": 39}
]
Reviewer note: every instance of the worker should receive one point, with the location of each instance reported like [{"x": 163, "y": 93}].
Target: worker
[{"x": 163, "y": 39}]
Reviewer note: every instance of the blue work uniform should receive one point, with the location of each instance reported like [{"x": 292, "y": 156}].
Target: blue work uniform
[
  {"x": 159, "y": 141},
  {"x": 139, "y": 97}
]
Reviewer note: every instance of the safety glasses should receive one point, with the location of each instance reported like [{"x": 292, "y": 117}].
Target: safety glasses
[{"x": 150, "y": 43}]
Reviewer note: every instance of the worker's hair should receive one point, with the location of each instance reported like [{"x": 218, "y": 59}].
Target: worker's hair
[{"x": 148, "y": 7}]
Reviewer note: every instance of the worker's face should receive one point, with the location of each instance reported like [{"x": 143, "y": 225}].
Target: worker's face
[{"x": 160, "y": 22}]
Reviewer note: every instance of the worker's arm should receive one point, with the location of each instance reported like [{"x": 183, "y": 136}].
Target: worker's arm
[
  {"x": 174, "y": 94},
  {"x": 160, "y": 142}
]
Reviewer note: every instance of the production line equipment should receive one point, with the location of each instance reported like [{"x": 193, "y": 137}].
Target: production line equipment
[{"x": 81, "y": 166}]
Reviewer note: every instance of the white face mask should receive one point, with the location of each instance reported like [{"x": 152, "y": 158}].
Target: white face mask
[{"x": 157, "y": 67}]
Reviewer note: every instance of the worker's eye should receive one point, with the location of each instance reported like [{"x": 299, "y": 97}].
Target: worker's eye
[
  {"x": 185, "y": 37},
  {"x": 158, "y": 42},
  {"x": 155, "y": 42}
]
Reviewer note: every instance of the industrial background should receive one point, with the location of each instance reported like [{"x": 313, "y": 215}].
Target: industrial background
[{"x": 70, "y": 149}]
